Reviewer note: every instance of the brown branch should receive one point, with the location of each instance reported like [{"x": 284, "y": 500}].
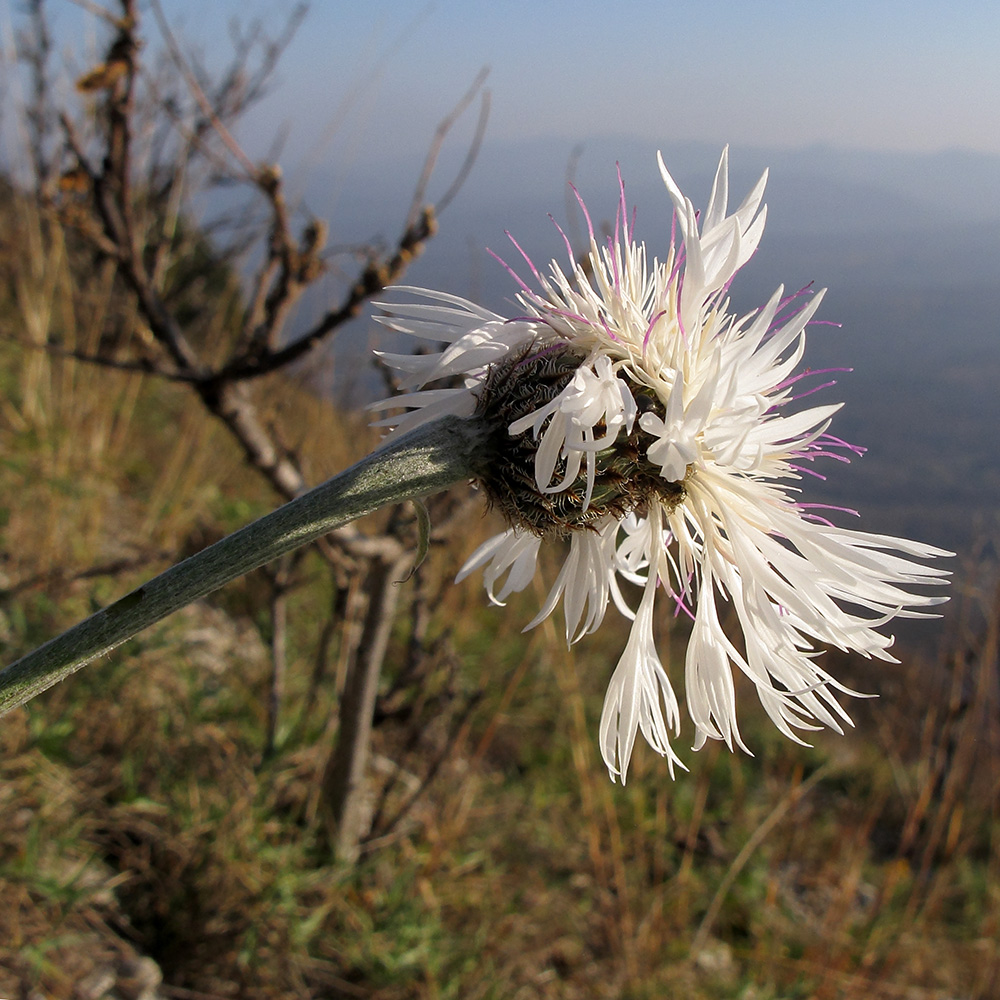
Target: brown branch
[
  {"x": 198, "y": 94},
  {"x": 379, "y": 273},
  {"x": 60, "y": 577},
  {"x": 144, "y": 366},
  {"x": 97, "y": 11},
  {"x": 288, "y": 270},
  {"x": 280, "y": 582},
  {"x": 34, "y": 48},
  {"x": 107, "y": 190},
  {"x": 273, "y": 50},
  {"x": 193, "y": 135},
  {"x": 388, "y": 829},
  {"x": 440, "y": 134},
  {"x": 342, "y": 785},
  {"x": 376, "y": 276},
  {"x": 470, "y": 157},
  {"x": 230, "y": 403},
  {"x": 333, "y": 624}
]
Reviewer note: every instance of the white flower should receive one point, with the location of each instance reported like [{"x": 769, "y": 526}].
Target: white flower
[{"x": 659, "y": 427}]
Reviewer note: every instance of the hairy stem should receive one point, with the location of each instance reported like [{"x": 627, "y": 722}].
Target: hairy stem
[{"x": 424, "y": 461}]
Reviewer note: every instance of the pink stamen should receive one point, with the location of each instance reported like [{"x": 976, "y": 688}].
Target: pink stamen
[
  {"x": 569, "y": 246},
  {"x": 804, "y": 290},
  {"x": 827, "y": 506},
  {"x": 678, "y": 264},
  {"x": 512, "y": 273},
  {"x": 791, "y": 380},
  {"x": 649, "y": 329},
  {"x": 809, "y": 392},
  {"x": 858, "y": 449},
  {"x": 586, "y": 214},
  {"x": 807, "y": 472},
  {"x": 815, "y": 452},
  {"x": 622, "y": 207},
  {"x": 565, "y": 314},
  {"x": 821, "y": 449},
  {"x": 680, "y": 605},
  {"x": 527, "y": 259},
  {"x": 782, "y": 320},
  {"x": 607, "y": 330}
]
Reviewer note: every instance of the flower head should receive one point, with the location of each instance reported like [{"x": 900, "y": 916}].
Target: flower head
[{"x": 641, "y": 420}]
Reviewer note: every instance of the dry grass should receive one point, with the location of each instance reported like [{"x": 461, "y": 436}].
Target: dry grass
[{"x": 138, "y": 815}]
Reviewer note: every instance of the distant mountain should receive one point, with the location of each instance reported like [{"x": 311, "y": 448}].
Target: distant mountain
[{"x": 815, "y": 189}]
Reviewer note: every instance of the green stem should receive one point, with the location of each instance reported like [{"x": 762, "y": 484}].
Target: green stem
[{"x": 424, "y": 461}]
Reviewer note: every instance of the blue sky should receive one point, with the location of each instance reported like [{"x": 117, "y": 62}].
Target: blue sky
[
  {"x": 914, "y": 75},
  {"x": 372, "y": 79}
]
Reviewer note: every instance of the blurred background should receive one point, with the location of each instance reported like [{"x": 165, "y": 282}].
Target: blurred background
[{"x": 175, "y": 821}]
